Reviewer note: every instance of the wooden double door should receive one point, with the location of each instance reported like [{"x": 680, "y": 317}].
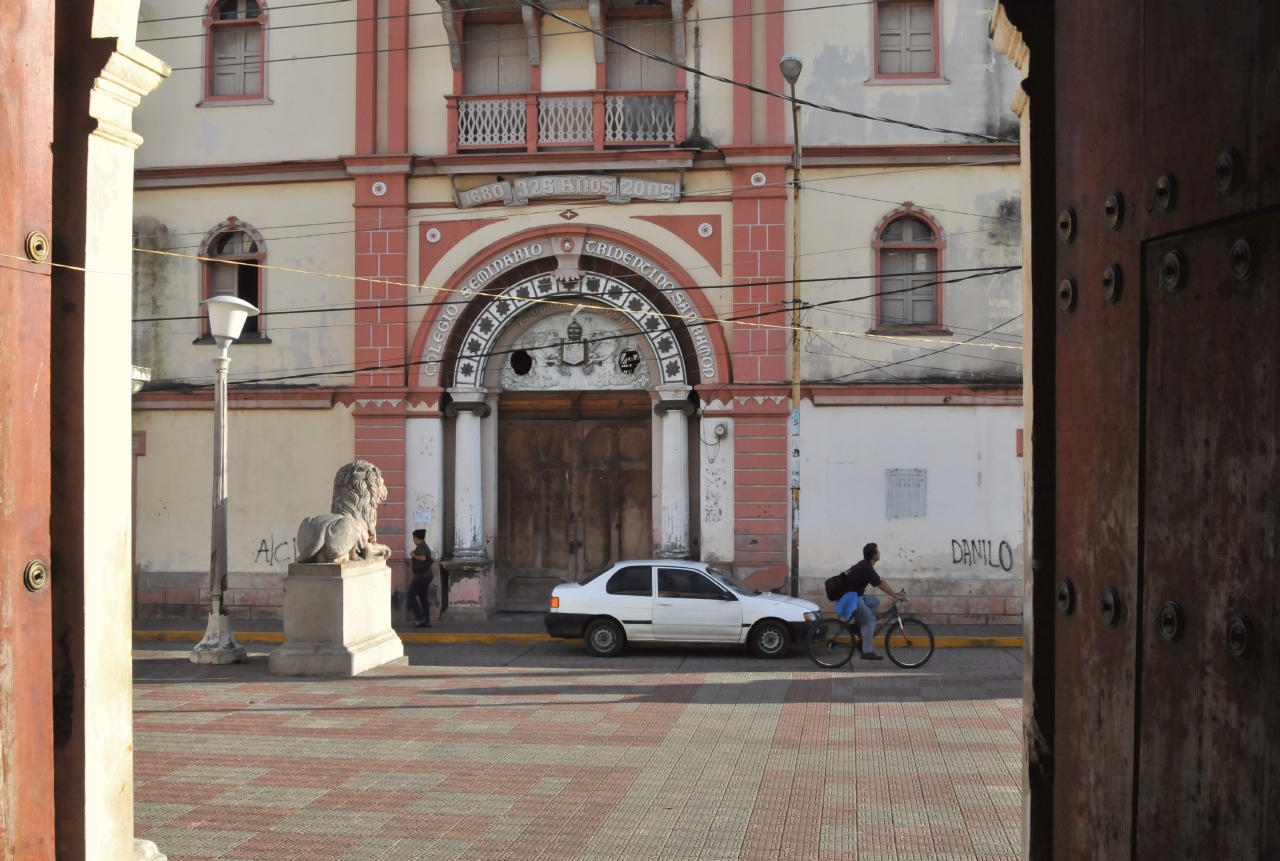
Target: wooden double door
[{"x": 575, "y": 493}]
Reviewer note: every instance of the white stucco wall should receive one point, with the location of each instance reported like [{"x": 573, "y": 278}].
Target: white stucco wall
[
  {"x": 313, "y": 109},
  {"x": 974, "y": 490},
  {"x": 837, "y": 46},
  {"x": 281, "y": 470},
  {"x": 306, "y": 227}
]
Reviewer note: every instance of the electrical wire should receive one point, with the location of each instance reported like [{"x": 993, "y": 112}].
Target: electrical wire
[
  {"x": 271, "y": 28},
  {"x": 761, "y": 90}
]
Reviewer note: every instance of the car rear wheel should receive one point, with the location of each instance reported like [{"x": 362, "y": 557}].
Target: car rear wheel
[
  {"x": 605, "y": 638},
  {"x": 770, "y": 640}
]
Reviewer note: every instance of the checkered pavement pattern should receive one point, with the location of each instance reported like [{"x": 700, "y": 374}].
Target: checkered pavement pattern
[{"x": 762, "y": 760}]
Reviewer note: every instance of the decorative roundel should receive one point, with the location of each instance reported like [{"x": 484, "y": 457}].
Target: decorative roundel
[
  {"x": 566, "y": 244},
  {"x": 380, "y": 188},
  {"x": 758, "y": 179},
  {"x": 705, "y": 229},
  {"x": 433, "y": 235}
]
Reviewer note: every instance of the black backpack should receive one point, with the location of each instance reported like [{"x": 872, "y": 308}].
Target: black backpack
[{"x": 836, "y": 586}]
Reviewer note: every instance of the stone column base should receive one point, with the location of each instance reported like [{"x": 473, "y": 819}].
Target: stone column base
[
  {"x": 337, "y": 620},
  {"x": 472, "y": 589}
]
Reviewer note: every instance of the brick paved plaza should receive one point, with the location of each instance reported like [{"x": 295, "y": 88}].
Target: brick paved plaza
[{"x": 526, "y": 752}]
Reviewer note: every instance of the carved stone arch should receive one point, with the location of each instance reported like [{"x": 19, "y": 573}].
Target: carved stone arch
[
  {"x": 593, "y": 290},
  {"x": 909, "y": 208},
  {"x": 617, "y": 255},
  {"x": 227, "y": 226}
]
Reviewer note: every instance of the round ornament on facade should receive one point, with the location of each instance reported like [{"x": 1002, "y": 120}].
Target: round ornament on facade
[
  {"x": 379, "y": 189},
  {"x": 758, "y": 179},
  {"x": 566, "y": 244},
  {"x": 433, "y": 235},
  {"x": 705, "y": 229}
]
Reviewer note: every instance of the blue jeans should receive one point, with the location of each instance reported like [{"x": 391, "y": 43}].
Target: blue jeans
[{"x": 865, "y": 618}]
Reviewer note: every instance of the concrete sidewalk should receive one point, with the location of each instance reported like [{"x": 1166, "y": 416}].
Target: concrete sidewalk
[{"x": 506, "y": 627}]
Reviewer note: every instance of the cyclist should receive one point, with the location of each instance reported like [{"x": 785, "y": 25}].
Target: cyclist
[{"x": 857, "y": 579}]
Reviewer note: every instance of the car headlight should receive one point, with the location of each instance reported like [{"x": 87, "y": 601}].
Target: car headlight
[{"x": 812, "y": 617}]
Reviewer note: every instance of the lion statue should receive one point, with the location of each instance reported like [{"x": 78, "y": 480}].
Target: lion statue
[{"x": 351, "y": 531}]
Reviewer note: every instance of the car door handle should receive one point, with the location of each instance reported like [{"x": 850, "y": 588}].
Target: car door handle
[{"x": 665, "y": 604}]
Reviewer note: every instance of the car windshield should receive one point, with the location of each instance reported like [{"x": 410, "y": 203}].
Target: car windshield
[{"x": 726, "y": 579}]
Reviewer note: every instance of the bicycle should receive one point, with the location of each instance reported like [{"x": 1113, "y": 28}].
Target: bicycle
[{"x": 908, "y": 642}]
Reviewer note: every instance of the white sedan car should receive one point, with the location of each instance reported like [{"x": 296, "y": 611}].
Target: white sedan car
[{"x": 671, "y": 601}]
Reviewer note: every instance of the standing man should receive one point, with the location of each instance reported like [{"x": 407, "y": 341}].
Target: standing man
[
  {"x": 857, "y": 579},
  {"x": 420, "y": 563}
]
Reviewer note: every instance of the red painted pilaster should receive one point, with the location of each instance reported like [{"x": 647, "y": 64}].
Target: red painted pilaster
[
  {"x": 761, "y": 537},
  {"x": 760, "y": 274},
  {"x": 380, "y": 439},
  {"x": 775, "y": 109},
  {"x": 366, "y": 77},
  {"x": 742, "y": 71},
  {"x": 381, "y": 265},
  {"x": 398, "y": 76}
]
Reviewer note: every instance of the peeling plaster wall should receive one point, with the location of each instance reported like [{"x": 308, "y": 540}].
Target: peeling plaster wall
[
  {"x": 839, "y": 51},
  {"x": 177, "y": 220},
  {"x": 974, "y": 494},
  {"x": 281, "y": 470},
  {"x": 314, "y": 99},
  {"x": 977, "y": 208}
]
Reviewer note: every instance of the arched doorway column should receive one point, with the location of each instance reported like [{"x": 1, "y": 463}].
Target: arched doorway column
[
  {"x": 675, "y": 409},
  {"x": 468, "y": 473}
]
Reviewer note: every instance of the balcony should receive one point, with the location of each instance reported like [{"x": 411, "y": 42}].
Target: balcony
[{"x": 586, "y": 119}]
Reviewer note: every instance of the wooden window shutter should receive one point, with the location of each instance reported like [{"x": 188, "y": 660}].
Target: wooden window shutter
[
  {"x": 906, "y": 39},
  {"x": 627, "y": 70},
  {"x": 496, "y": 59}
]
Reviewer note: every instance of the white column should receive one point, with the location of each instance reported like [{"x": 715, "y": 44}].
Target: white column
[
  {"x": 424, "y": 479},
  {"x": 468, "y": 473},
  {"x": 674, "y": 408},
  {"x": 717, "y": 487}
]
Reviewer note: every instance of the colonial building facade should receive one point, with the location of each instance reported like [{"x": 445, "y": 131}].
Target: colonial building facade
[{"x": 544, "y": 282}]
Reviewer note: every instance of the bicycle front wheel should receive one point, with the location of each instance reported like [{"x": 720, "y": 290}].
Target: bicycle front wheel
[
  {"x": 831, "y": 643},
  {"x": 908, "y": 642}
]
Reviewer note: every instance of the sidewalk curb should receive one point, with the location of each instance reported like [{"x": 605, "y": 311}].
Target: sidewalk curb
[{"x": 942, "y": 642}]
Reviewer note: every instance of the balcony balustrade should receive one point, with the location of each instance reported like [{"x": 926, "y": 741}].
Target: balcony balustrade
[{"x": 587, "y": 119}]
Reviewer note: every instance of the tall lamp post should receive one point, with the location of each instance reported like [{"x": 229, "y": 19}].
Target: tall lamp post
[
  {"x": 791, "y": 66},
  {"x": 226, "y": 321}
]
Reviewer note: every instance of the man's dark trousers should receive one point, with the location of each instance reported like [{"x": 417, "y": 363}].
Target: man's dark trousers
[{"x": 419, "y": 603}]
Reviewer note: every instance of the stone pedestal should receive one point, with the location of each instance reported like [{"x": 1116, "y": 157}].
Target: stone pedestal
[
  {"x": 472, "y": 589},
  {"x": 337, "y": 620}
]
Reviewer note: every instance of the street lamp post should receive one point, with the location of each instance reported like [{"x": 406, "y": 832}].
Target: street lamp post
[
  {"x": 226, "y": 320},
  {"x": 791, "y": 66}
]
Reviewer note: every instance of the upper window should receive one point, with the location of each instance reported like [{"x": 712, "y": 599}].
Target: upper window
[
  {"x": 908, "y": 249},
  {"x": 627, "y": 70},
  {"x": 235, "y": 55},
  {"x": 906, "y": 39},
  {"x": 495, "y": 59},
  {"x": 234, "y": 256}
]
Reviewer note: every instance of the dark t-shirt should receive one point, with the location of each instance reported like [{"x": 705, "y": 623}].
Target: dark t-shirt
[
  {"x": 861, "y": 576},
  {"x": 421, "y": 567}
]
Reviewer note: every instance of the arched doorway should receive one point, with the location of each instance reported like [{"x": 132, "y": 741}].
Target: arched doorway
[{"x": 569, "y": 365}]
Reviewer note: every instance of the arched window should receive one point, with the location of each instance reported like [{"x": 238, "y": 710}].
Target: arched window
[
  {"x": 908, "y": 256},
  {"x": 233, "y": 256},
  {"x": 234, "y": 55}
]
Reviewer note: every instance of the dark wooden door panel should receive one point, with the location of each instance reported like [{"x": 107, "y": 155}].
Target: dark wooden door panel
[
  {"x": 26, "y": 695},
  {"x": 535, "y": 475},
  {"x": 1165, "y": 485},
  {"x": 1098, "y": 406},
  {"x": 575, "y": 498},
  {"x": 1209, "y": 755}
]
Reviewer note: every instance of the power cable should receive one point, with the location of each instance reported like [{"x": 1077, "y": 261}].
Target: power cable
[{"x": 761, "y": 90}]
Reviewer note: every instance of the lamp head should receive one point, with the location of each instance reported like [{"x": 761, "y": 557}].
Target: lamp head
[
  {"x": 791, "y": 66},
  {"x": 226, "y": 317}
]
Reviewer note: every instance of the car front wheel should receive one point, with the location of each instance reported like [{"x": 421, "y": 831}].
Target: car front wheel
[
  {"x": 604, "y": 638},
  {"x": 770, "y": 640}
]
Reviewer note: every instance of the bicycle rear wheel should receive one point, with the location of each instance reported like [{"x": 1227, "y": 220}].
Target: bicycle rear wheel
[
  {"x": 831, "y": 643},
  {"x": 908, "y": 642}
]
